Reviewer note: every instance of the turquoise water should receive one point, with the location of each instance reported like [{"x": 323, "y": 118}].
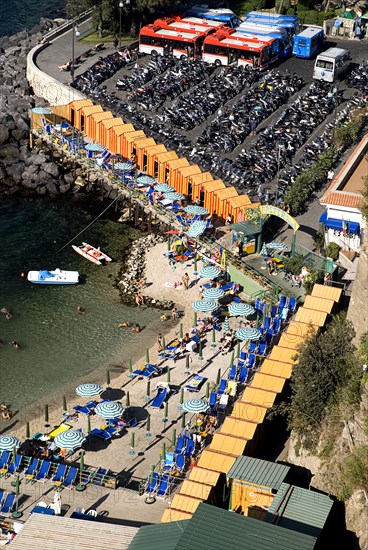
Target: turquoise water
[{"x": 59, "y": 347}]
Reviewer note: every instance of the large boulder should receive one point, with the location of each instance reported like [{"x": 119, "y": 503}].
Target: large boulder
[
  {"x": 69, "y": 178},
  {"x": 4, "y": 134},
  {"x": 52, "y": 169},
  {"x": 9, "y": 151},
  {"x": 16, "y": 172},
  {"x": 38, "y": 159},
  {"x": 52, "y": 189}
]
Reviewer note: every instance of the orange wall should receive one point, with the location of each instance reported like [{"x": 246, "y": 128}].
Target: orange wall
[
  {"x": 172, "y": 167},
  {"x": 161, "y": 161},
  {"x": 183, "y": 175}
]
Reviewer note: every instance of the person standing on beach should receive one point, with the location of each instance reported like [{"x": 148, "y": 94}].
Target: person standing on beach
[
  {"x": 200, "y": 294},
  {"x": 185, "y": 280}
]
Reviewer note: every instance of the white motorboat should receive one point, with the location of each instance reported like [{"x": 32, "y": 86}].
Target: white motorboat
[
  {"x": 55, "y": 277},
  {"x": 92, "y": 254}
]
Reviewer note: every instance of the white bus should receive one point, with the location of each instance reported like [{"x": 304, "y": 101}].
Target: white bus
[{"x": 331, "y": 64}]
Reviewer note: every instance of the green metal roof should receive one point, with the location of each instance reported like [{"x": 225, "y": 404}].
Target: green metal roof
[
  {"x": 248, "y": 228},
  {"x": 217, "y": 529},
  {"x": 258, "y": 472},
  {"x": 161, "y": 536},
  {"x": 299, "y": 509}
]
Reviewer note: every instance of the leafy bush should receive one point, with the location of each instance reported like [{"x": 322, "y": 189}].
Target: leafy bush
[
  {"x": 332, "y": 251},
  {"x": 326, "y": 364},
  {"x": 311, "y": 279},
  {"x": 307, "y": 182},
  {"x": 355, "y": 469},
  {"x": 294, "y": 264}
]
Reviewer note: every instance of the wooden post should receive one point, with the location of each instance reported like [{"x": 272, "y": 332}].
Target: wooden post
[{"x": 136, "y": 215}]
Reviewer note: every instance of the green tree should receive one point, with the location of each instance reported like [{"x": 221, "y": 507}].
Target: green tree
[{"x": 324, "y": 366}]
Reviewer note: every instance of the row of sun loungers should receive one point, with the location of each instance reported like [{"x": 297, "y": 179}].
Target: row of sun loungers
[{"x": 7, "y": 501}]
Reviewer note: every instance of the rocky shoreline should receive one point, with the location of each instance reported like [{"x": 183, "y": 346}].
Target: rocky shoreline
[
  {"x": 133, "y": 270},
  {"x": 42, "y": 170}
]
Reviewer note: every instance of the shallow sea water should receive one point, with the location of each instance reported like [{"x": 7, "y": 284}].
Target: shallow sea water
[{"x": 59, "y": 347}]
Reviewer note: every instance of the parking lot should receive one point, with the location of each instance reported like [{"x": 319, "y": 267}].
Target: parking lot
[{"x": 204, "y": 113}]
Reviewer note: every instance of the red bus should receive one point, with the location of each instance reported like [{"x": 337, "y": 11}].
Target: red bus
[
  {"x": 190, "y": 24},
  {"x": 156, "y": 40},
  {"x": 226, "y": 47}
]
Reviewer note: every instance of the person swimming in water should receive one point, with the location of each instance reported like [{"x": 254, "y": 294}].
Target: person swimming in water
[
  {"x": 136, "y": 328},
  {"x": 125, "y": 324},
  {"x": 15, "y": 345}
]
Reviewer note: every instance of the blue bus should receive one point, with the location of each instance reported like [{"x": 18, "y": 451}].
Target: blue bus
[
  {"x": 308, "y": 43},
  {"x": 252, "y": 30},
  {"x": 291, "y": 23},
  {"x": 225, "y": 15}
]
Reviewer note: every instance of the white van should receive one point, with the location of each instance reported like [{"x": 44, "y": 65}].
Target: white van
[{"x": 331, "y": 64}]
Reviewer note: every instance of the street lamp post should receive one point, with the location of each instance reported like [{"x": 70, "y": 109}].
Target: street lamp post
[
  {"x": 121, "y": 5},
  {"x": 75, "y": 33}
]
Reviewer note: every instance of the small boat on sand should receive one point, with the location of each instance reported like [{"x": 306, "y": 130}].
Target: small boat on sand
[
  {"x": 55, "y": 277},
  {"x": 91, "y": 253}
]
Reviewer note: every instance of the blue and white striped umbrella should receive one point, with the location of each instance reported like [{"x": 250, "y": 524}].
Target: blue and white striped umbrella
[
  {"x": 123, "y": 166},
  {"x": 41, "y": 111},
  {"x": 88, "y": 390},
  {"x": 276, "y": 246},
  {"x": 8, "y": 442},
  {"x": 195, "y": 405},
  {"x": 241, "y": 310},
  {"x": 71, "y": 439},
  {"x": 109, "y": 409},
  {"x": 173, "y": 196},
  {"x": 205, "y": 305},
  {"x": 164, "y": 188},
  {"x": 146, "y": 180},
  {"x": 210, "y": 272},
  {"x": 226, "y": 325},
  {"x": 248, "y": 334},
  {"x": 196, "y": 210},
  {"x": 94, "y": 147},
  {"x": 213, "y": 293},
  {"x": 197, "y": 228}
]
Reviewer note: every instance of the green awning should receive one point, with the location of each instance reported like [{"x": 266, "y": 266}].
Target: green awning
[
  {"x": 349, "y": 15},
  {"x": 247, "y": 228}
]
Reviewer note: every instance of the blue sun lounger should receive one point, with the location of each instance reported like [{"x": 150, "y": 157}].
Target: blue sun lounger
[
  {"x": 180, "y": 445},
  {"x": 152, "y": 483},
  {"x": 222, "y": 387},
  {"x": 103, "y": 434},
  {"x": 189, "y": 449},
  {"x": 8, "y": 504},
  {"x": 70, "y": 478},
  {"x": 232, "y": 373},
  {"x": 43, "y": 472},
  {"x": 30, "y": 472},
  {"x": 243, "y": 375},
  {"x": 159, "y": 399},
  {"x": 59, "y": 474},
  {"x": 164, "y": 486},
  {"x": 1, "y": 497},
  {"x": 149, "y": 371},
  {"x": 5, "y": 457},
  {"x": 196, "y": 383},
  {"x": 14, "y": 466},
  {"x": 86, "y": 409}
]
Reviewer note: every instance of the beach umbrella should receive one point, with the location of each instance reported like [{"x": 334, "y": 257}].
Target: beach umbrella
[
  {"x": 276, "y": 246},
  {"x": 213, "y": 293},
  {"x": 148, "y": 425},
  {"x": 28, "y": 431},
  {"x": 89, "y": 424},
  {"x": 218, "y": 377},
  {"x": 64, "y": 404},
  {"x": 195, "y": 319},
  {"x": 8, "y": 442},
  {"x": 57, "y": 503},
  {"x": 108, "y": 377},
  {"x": 109, "y": 409},
  {"x": 168, "y": 378},
  {"x": 181, "y": 396},
  {"x": 205, "y": 305},
  {"x": 181, "y": 330},
  {"x": 42, "y": 111},
  {"x": 146, "y": 180},
  {"x": 196, "y": 210},
  {"x": 195, "y": 405},
  {"x": 241, "y": 310},
  {"x": 147, "y": 356},
  {"x": 130, "y": 365},
  {"x": 207, "y": 390},
  {"x": 166, "y": 412},
  {"x": 163, "y": 452},
  {"x": 148, "y": 390},
  {"x": 88, "y": 390},
  {"x": 173, "y": 196},
  {"x": 132, "y": 442},
  {"x": 173, "y": 438},
  {"x": 95, "y": 147},
  {"x": 70, "y": 439},
  {"x": 197, "y": 228},
  {"x": 123, "y": 166},
  {"x": 226, "y": 325},
  {"x": 127, "y": 399},
  {"x": 16, "y": 514},
  {"x": 248, "y": 334},
  {"x": 210, "y": 272},
  {"x": 46, "y": 414},
  {"x": 164, "y": 188}
]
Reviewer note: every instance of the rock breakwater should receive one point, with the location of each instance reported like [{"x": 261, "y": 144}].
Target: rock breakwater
[{"x": 132, "y": 272}]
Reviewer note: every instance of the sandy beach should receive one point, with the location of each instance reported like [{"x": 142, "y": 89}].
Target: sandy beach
[{"x": 134, "y": 464}]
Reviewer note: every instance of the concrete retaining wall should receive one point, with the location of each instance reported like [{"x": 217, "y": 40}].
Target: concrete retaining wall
[{"x": 44, "y": 85}]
